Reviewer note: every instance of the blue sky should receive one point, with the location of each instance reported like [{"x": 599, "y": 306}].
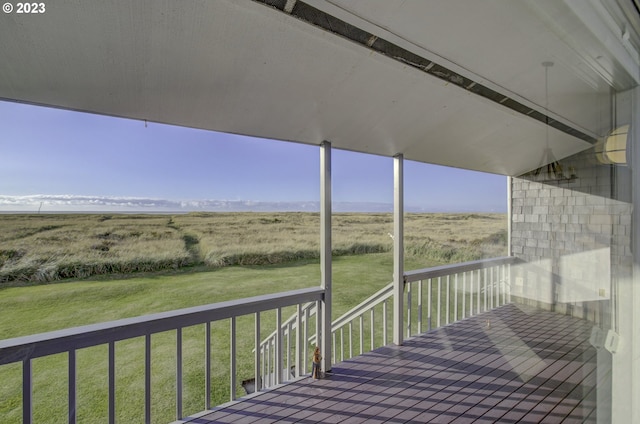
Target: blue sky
[{"x": 64, "y": 154}]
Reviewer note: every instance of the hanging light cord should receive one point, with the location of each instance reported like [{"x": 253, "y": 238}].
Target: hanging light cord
[{"x": 546, "y": 99}]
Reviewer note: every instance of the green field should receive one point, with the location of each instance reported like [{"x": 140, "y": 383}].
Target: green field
[{"x": 269, "y": 253}]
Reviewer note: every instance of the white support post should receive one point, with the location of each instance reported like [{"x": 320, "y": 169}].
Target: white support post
[
  {"x": 398, "y": 248},
  {"x": 277, "y": 363},
  {"x": 448, "y": 297},
  {"x": 361, "y": 322},
  {"x": 232, "y": 359},
  {"x": 351, "y": 339},
  {"x": 439, "y": 303},
  {"x": 112, "y": 383},
  {"x": 419, "y": 306},
  {"x": 409, "y": 301},
  {"x": 626, "y": 308},
  {"x": 633, "y": 320},
  {"x": 334, "y": 354},
  {"x": 325, "y": 253},
  {"x": 341, "y": 344},
  {"x": 429, "y": 304},
  {"x": 464, "y": 295},
  {"x": 299, "y": 342},
  {"x": 147, "y": 378},
  {"x": 207, "y": 368},
  {"x": 305, "y": 337},
  {"x": 178, "y": 373},
  {"x": 373, "y": 330},
  {"x": 509, "y": 216},
  {"x": 455, "y": 298},
  {"x": 286, "y": 373},
  {"x": 257, "y": 363}
]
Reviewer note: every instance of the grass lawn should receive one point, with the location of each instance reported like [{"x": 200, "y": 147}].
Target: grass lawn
[{"x": 41, "y": 308}]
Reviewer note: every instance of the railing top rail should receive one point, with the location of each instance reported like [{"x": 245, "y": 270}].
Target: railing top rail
[
  {"x": 439, "y": 271},
  {"x": 379, "y": 296},
  {"x": 37, "y": 345}
]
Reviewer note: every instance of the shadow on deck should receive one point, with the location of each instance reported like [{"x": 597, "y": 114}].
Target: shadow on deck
[{"x": 512, "y": 364}]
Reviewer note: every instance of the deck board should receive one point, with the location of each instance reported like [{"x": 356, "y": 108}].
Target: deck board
[{"x": 514, "y": 364}]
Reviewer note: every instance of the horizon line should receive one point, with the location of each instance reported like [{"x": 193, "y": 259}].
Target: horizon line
[{"x": 66, "y": 203}]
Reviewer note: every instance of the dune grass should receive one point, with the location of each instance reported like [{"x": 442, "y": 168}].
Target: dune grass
[{"x": 46, "y": 248}]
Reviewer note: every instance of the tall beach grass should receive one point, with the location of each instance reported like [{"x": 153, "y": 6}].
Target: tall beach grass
[{"x": 47, "y": 248}]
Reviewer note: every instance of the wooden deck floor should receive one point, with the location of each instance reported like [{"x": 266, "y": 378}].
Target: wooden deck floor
[{"x": 527, "y": 366}]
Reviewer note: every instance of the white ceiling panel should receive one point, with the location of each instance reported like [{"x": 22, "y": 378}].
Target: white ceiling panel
[
  {"x": 247, "y": 68},
  {"x": 505, "y": 42}
]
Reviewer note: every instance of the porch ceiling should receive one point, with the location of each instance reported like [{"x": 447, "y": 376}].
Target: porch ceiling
[{"x": 249, "y": 68}]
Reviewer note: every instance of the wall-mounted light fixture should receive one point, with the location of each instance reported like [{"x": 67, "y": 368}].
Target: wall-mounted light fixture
[{"x": 612, "y": 150}]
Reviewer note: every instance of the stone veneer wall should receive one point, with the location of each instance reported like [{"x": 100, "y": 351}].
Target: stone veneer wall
[{"x": 573, "y": 236}]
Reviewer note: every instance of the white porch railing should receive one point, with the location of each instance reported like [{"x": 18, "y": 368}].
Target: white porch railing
[
  {"x": 300, "y": 319},
  {"x": 433, "y": 297},
  {"x": 448, "y": 293},
  {"x": 353, "y": 318},
  {"x": 69, "y": 341},
  {"x": 380, "y": 301}
]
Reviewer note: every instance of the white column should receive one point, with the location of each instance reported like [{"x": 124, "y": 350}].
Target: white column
[
  {"x": 398, "y": 248},
  {"x": 623, "y": 339},
  {"x": 277, "y": 363},
  {"x": 509, "y": 215},
  {"x": 325, "y": 253},
  {"x": 631, "y": 317}
]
